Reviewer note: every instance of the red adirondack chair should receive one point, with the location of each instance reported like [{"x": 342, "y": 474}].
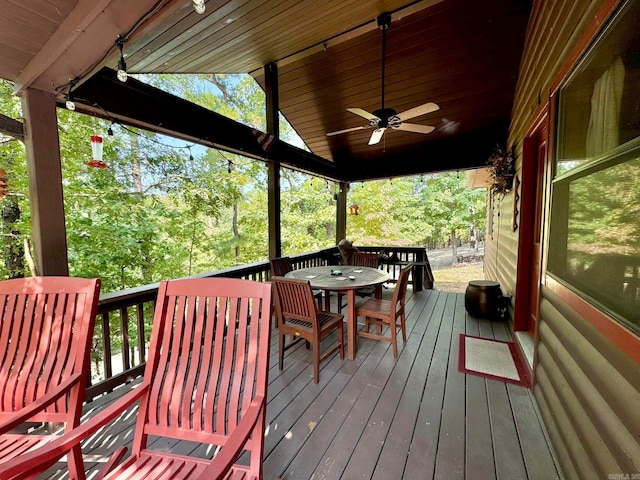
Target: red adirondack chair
[
  {"x": 46, "y": 328},
  {"x": 205, "y": 381}
]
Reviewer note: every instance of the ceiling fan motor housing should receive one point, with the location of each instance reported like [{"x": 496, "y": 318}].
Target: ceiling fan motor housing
[{"x": 388, "y": 118}]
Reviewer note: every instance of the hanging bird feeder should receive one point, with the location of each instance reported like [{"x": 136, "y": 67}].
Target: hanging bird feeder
[
  {"x": 96, "y": 149},
  {"x": 4, "y": 184},
  {"x": 353, "y": 210}
]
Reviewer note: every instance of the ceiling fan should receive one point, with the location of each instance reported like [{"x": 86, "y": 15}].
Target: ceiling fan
[{"x": 384, "y": 118}]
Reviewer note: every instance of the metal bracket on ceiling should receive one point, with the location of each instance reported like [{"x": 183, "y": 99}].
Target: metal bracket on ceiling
[{"x": 384, "y": 20}]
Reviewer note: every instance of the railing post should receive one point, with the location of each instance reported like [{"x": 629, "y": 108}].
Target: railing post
[{"x": 341, "y": 211}]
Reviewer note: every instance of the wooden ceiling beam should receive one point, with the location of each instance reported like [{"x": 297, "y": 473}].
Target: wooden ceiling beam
[
  {"x": 11, "y": 127},
  {"x": 470, "y": 150},
  {"x": 140, "y": 105}
]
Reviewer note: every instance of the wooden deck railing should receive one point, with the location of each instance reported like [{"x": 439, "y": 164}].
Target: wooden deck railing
[{"x": 134, "y": 308}]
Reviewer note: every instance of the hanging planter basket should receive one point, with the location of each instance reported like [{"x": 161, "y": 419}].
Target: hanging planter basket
[{"x": 502, "y": 169}]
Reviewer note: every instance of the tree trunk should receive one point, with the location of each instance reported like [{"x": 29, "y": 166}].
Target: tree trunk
[
  {"x": 13, "y": 247},
  {"x": 236, "y": 233},
  {"x": 136, "y": 170},
  {"x": 234, "y": 223},
  {"x": 454, "y": 244}
]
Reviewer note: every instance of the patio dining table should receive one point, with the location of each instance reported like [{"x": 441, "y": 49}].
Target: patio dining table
[{"x": 346, "y": 279}]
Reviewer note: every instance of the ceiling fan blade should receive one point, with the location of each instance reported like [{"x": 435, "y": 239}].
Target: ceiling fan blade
[
  {"x": 376, "y": 136},
  {"x": 413, "y": 127},
  {"x": 417, "y": 111},
  {"x": 363, "y": 113},
  {"x": 348, "y": 130}
]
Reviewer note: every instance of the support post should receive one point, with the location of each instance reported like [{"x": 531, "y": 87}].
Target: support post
[
  {"x": 49, "y": 234},
  {"x": 273, "y": 128},
  {"x": 341, "y": 211}
]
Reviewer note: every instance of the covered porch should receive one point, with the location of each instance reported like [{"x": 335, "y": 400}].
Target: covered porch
[
  {"x": 416, "y": 416},
  {"x": 378, "y": 417}
]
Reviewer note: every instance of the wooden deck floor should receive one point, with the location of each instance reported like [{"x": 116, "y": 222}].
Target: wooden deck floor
[{"x": 414, "y": 417}]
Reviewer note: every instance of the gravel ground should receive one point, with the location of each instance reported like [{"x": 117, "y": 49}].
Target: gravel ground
[{"x": 452, "y": 275}]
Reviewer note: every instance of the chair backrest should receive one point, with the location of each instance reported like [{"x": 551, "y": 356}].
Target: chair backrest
[
  {"x": 400, "y": 292},
  {"x": 347, "y": 250},
  {"x": 208, "y": 360},
  {"x": 281, "y": 266},
  {"x": 294, "y": 300},
  {"x": 363, "y": 259},
  {"x": 46, "y": 331}
]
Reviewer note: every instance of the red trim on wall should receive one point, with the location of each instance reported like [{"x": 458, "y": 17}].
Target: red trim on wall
[
  {"x": 590, "y": 33},
  {"x": 623, "y": 338},
  {"x": 527, "y": 217}
]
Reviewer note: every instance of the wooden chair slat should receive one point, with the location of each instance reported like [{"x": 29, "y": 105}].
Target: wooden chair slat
[
  {"x": 364, "y": 259},
  {"x": 208, "y": 332},
  {"x": 180, "y": 405},
  {"x": 65, "y": 306},
  {"x": 14, "y": 328},
  {"x": 195, "y": 365},
  {"x": 236, "y": 362}
]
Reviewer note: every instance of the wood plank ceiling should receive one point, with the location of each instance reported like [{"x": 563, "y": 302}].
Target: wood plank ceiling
[
  {"x": 461, "y": 54},
  {"x": 25, "y": 27}
]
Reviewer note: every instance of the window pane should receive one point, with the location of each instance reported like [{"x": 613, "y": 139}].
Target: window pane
[
  {"x": 602, "y": 222},
  {"x": 599, "y": 107}
]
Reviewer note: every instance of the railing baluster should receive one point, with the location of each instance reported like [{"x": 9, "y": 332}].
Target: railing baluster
[
  {"x": 141, "y": 338},
  {"x": 106, "y": 345},
  {"x": 124, "y": 333}
]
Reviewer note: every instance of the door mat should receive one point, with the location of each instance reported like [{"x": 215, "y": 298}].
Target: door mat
[{"x": 492, "y": 359}]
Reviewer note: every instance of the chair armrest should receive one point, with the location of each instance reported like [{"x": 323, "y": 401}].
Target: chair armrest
[
  {"x": 42, "y": 458},
  {"x": 228, "y": 454},
  {"x": 39, "y": 405}
]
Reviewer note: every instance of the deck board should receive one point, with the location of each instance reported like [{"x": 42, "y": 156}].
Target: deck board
[
  {"x": 479, "y": 457},
  {"x": 450, "y": 458},
  {"x": 382, "y": 418}
]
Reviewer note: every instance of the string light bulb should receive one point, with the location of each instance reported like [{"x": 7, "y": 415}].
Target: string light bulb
[
  {"x": 199, "y": 6},
  {"x": 122, "y": 66},
  {"x": 110, "y": 130},
  {"x": 69, "y": 103}
]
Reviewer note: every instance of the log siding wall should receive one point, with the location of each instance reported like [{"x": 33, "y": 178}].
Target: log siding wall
[{"x": 587, "y": 389}]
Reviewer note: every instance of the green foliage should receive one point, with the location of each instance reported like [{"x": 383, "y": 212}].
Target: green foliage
[
  {"x": 308, "y": 213},
  {"x": 415, "y": 211},
  {"x": 12, "y": 160}
]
